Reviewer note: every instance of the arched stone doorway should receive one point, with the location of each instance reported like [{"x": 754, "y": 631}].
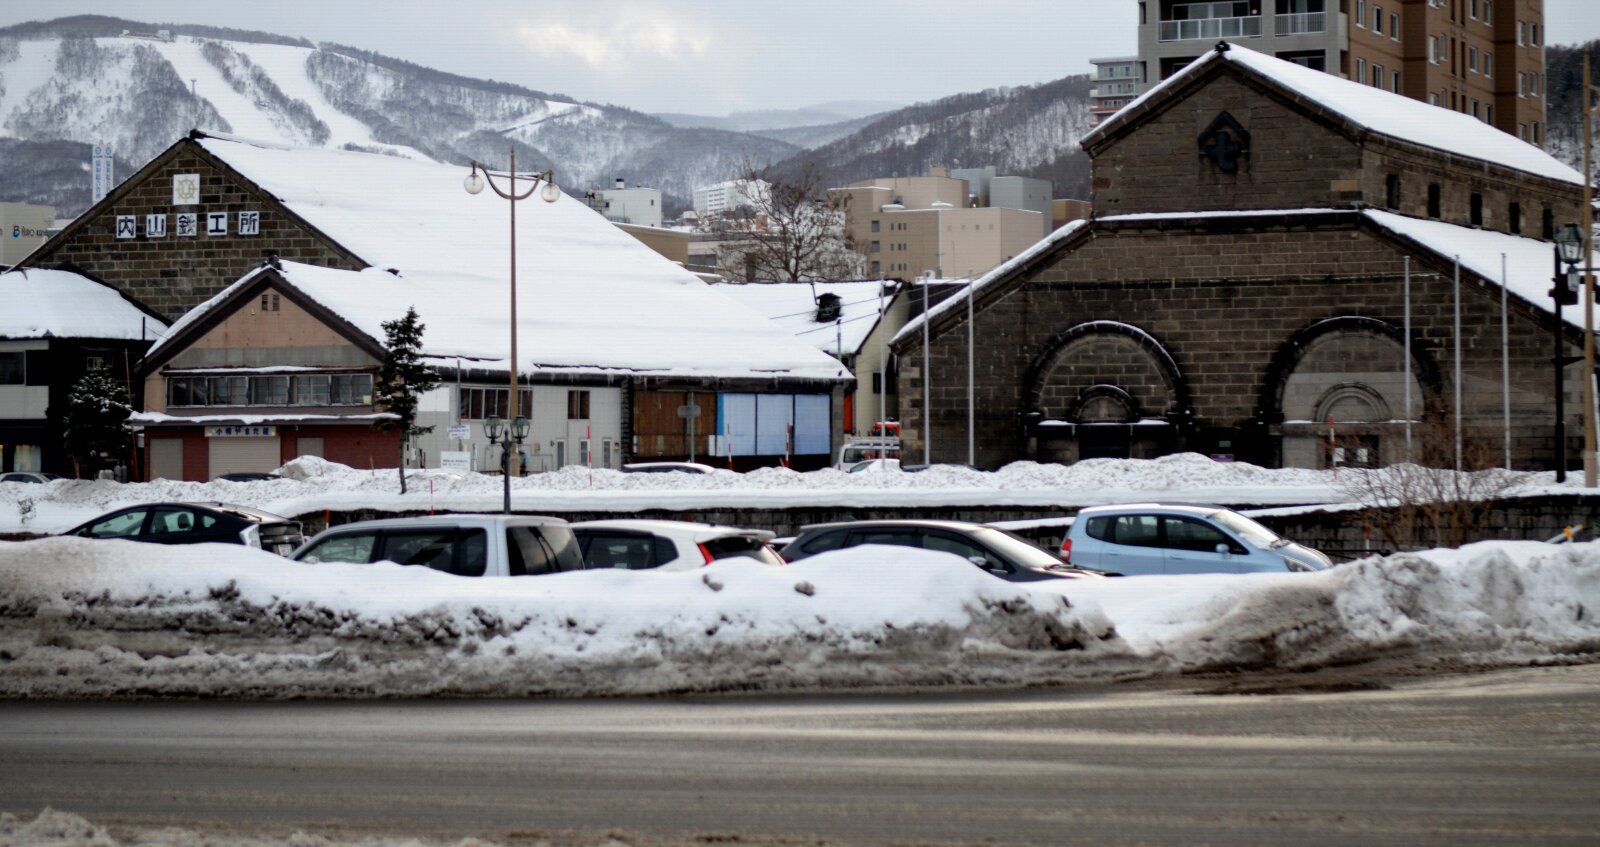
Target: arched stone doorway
[
  {"x": 1103, "y": 389},
  {"x": 1336, "y": 394}
]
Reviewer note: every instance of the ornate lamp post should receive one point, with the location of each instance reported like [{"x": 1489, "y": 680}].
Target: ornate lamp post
[
  {"x": 1568, "y": 251},
  {"x": 474, "y": 183},
  {"x": 498, "y": 431}
]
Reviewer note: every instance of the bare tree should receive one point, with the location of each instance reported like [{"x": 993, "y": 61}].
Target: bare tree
[
  {"x": 788, "y": 232},
  {"x": 1422, "y": 500}
]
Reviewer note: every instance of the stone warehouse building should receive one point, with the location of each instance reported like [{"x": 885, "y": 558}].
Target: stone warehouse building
[
  {"x": 278, "y": 267},
  {"x": 1243, "y": 287}
]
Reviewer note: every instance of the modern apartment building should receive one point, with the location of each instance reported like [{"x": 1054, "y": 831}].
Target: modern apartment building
[
  {"x": 942, "y": 223},
  {"x": 1484, "y": 58},
  {"x": 624, "y": 205},
  {"x": 1117, "y": 81}
]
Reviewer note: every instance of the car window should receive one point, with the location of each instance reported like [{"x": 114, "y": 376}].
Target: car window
[
  {"x": 615, "y": 550},
  {"x": 1136, "y": 530},
  {"x": 1190, "y": 534},
  {"x": 736, "y": 546},
  {"x": 895, "y": 537},
  {"x": 1098, "y": 528},
  {"x": 824, "y": 542},
  {"x": 460, "y": 551},
  {"x": 1250, "y": 530},
  {"x": 121, "y": 525},
  {"x": 533, "y": 551},
  {"x": 171, "y": 520},
  {"x": 966, "y": 550},
  {"x": 354, "y": 548},
  {"x": 1016, "y": 549}
]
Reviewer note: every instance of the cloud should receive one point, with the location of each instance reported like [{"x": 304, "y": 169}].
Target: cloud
[{"x": 615, "y": 44}]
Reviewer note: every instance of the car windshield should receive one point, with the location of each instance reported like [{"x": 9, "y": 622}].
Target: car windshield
[
  {"x": 1016, "y": 548},
  {"x": 1248, "y": 529}
]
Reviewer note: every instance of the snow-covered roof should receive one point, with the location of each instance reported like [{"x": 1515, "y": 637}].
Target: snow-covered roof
[
  {"x": 789, "y": 305},
  {"x": 62, "y": 304},
  {"x": 1379, "y": 111},
  {"x": 590, "y": 298},
  {"x": 1528, "y": 260}
]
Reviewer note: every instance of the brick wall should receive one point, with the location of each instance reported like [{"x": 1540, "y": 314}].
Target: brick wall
[
  {"x": 1224, "y": 305},
  {"x": 1299, "y": 159},
  {"x": 172, "y": 274}
]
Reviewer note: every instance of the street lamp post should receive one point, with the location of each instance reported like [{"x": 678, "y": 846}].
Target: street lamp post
[
  {"x": 1568, "y": 251},
  {"x": 498, "y": 431},
  {"x": 474, "y": 184}
]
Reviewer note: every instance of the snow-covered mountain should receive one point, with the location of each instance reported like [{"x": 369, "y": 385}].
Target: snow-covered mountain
[{"x": 84, "y": 80}]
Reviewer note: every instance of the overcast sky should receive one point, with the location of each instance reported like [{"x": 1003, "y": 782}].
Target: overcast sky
[{"x": 714, "y": 56}]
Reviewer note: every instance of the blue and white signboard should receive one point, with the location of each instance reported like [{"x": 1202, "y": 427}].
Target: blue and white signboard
[{"x": 102, "y": 171}]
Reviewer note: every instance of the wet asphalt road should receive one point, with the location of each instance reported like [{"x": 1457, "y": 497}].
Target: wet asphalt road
[{"x": 1500, "y": 758}]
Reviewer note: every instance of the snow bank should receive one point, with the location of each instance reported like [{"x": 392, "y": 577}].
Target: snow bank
[
  {"x": 88, "y": 619},
  {"x": 107, "y": 619}
]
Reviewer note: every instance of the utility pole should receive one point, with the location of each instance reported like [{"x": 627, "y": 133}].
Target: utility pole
[{"x": 1587, "y": 211}]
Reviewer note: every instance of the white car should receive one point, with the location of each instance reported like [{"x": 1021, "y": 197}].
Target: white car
[
  {"x": 27, "y": 476},
  {"x": 465, "y": 545},
  {"x": 668, "y": 545}
]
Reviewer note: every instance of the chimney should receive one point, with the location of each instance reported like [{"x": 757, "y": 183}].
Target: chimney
[
  {"x": 828, "y": 308},
  {"x": 620, "y": 184}
]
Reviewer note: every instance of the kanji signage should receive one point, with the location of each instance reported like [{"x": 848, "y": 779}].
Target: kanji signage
[
  {"x": 155, "y": 226},
  {"x": 256, "y": 431},
  {"x": 127, "y": 226},
  {"x": 216, "y": 223},
  {"x": 188, "y": 223},
  {"x": 249, "y": 223}
]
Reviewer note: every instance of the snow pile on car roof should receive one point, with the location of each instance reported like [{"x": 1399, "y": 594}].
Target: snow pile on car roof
[{"x": 111, "y": 618}]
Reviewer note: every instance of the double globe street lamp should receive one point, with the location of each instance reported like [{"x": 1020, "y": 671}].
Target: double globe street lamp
[
  {"x": 549, "y": 193},
  {"x": 1564, "y": 291}
]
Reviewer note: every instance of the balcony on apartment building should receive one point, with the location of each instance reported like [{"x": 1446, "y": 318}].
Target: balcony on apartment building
[{"x": 1210, "y": 21}]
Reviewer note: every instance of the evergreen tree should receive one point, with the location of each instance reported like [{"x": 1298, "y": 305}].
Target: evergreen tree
[
  {"x": 402, "y": 380},
  {"x": 92, "y": 428}
]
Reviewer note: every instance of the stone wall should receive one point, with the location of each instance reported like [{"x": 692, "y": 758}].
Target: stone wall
[
  {"x": 172, "y": 274},
  {"x": 1227, "y": 302}
]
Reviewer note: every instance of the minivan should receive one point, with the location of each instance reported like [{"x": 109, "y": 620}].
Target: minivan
[
  {"x": 1151, "y": 538},
  {"x": 465, "y": 545}
]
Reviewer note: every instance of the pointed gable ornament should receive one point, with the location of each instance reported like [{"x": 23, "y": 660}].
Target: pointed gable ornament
[{"x": 1224, "y": 141}]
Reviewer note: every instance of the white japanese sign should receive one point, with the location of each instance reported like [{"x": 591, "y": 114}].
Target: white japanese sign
[
  {"x": 188, "y": 223},
  {"x": 155, "y": 226},
  {"x": 240, "y": 431},
  {"x": 127, "y": 226},
  {"x": 455, "y": 460},
  {"x": 460, "y": 432},
  {"x": 185, "y": 189},
  {"x": 216, "y": 223},
  {"x": 249, "y": 223},
  {"x": 101, "y": 173}
]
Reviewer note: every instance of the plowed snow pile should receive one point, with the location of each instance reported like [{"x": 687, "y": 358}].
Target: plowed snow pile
[{"x": 109, "y": 618}]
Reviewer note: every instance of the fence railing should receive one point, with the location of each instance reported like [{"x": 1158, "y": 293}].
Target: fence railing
[
  {"x": 1244, "y": 27},
  {"x": 1301, "y": 23}
]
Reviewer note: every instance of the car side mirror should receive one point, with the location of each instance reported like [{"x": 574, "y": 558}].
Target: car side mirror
[{"x": 1222, "y": 549}]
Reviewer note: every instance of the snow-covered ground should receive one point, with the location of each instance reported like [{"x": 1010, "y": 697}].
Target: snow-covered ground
[
  {"x": 81, "y": 618},
  {"x": 318, "y": 485}
]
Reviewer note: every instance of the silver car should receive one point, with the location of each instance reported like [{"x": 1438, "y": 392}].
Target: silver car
[
  {"x": 1150, "y": 538},
  {"x": 465, "y": 545}
]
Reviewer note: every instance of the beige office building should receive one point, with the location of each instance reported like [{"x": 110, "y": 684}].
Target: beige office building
[{"x": 908, "y": 227}]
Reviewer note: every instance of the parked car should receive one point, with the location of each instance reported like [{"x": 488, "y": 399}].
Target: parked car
[
  {"x": 669, "y": 545},
  {"x": 668, "y": 467},
  {"x": 874, "y": 466},
  {"x": 196, "y": 523},
  {"x": 858, "y": 450},
  {"x": 248, "y": 476},
  {"x": 465, "y": 545},
  {"x": 1150, "y": 538},
  {"x": 998, "y": 552},
  {"x": 27, "y": 476}
]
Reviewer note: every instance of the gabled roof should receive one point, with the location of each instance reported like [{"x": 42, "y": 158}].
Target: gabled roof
[
  {"x": 62, "y": 304},
  {"x": 590, "y": 298},
  {"x": 697, "y": 335},
  {"x": 1527, "y": 260},
  {"x": 789, "y": 305},
  {"x": 1373, "y": 109}
]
